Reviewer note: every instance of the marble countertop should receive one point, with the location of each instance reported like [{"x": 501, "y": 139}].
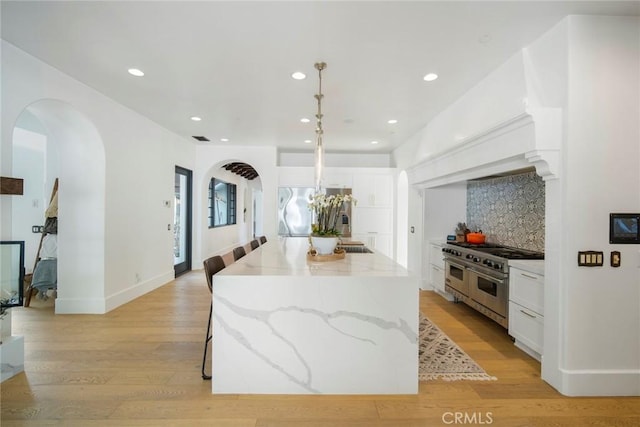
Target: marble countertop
[
  {"x": 287, "y": 256},
  {"x": 530, "y": 265}
]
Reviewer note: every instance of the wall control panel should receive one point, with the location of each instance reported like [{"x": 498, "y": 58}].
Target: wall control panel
[{"x": 590, "y": 258}]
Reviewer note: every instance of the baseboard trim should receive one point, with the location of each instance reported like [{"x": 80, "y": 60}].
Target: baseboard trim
[
  {"x": 139, "y": 289},
  {"x": 601, "y": 382},
  {"x": 80, "y": 305},
  {"x": 104, "y": 305}
]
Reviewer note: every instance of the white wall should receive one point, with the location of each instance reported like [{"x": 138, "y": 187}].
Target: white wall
[
  {"x": 588, "y": 68},
  {"x": 500, "y": 96},
  {"x": 133, "y": 253},
  {"x": 602, "y": 173}
]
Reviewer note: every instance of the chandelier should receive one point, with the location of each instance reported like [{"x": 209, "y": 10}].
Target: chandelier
[{"x": 319, "y": 150}]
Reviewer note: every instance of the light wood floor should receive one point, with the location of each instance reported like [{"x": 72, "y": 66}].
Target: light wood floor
[{"x": 140, "y": 365}]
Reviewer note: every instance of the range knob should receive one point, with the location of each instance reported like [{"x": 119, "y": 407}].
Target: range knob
[
  {"x": 476, "y": 259},
  {"x": 497, "y": 266},
  {"x": 469, "y": 256},
  {"x": 488, "y": 263},
  {"x": 444, "y": 249}
]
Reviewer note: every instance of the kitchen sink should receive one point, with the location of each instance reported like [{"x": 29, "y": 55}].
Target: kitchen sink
[{"x": 355, "y": 249}]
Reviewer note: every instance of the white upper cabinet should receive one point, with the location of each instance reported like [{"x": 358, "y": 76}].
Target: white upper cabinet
[
  {"x": 373, "y": 190},
  {"x": 295, "y": 177},
  {"x": 334, "y": 178},
  {"x": 368, "y": 220}
]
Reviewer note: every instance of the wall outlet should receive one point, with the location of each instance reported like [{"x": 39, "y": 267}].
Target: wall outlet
[
  {"x": 37, "y": 228},
  {"x": 615, "y": 259}
]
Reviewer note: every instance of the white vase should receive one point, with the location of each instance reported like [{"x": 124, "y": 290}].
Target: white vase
[{"x": 324, "y": 245}]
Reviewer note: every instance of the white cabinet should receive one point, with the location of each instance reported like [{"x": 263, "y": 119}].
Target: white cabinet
[
  {"x": 436, "y": 270},
  {"x": 372, "y": 217},
  {"x": 295, "y": 177},
  {"x": 373, "y": 190},
  {"x": 371, "y": 220},
  {"x": 527, "y": 327},
  {"x": 335, "y": 178},
  {"x": 373, "y": 212},
  {"x": 527, "y": 289},
  {"x": 526, "y": 310},
  {"x": 378, "y": 242},
  {"x": 437, "y": 278}
]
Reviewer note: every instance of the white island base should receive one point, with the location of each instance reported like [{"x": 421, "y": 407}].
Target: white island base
[{"x": 284, "y": 325}]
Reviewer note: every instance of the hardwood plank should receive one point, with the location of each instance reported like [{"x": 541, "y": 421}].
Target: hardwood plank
[
  {"x": 139, "y": 365},
  {"x": 308, "y": 409}
]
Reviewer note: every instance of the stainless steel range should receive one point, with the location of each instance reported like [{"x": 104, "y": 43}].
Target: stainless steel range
[{"x": 478, "y": 275}]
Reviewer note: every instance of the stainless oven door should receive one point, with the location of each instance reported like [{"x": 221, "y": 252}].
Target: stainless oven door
[
  {"x": 489, "y": 291},
  {"x": 456, "y": 276}
]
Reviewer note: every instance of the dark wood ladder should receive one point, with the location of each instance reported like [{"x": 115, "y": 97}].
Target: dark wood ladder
[{"x": 28, "y": 290}]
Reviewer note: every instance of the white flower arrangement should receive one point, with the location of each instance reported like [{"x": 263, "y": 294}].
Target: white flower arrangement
[{"x": 326, "y": 211}]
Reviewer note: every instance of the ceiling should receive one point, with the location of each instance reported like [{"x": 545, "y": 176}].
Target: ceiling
[{"x": 230, "y": 63}]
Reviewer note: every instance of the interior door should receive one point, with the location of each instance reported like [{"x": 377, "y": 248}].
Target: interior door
[{"x": 182, "y": 221}]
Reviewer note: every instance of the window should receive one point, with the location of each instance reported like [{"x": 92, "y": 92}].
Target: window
[{"x": 222, "y": 203}]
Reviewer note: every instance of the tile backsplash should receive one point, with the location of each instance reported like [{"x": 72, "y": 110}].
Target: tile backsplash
[{"x": 509, "y": 210}]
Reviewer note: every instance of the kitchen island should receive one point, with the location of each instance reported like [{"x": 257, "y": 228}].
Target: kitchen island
[{"x": 282, "y": 324}]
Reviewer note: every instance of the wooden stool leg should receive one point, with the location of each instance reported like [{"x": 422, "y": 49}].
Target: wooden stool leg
[{"x": 28, "y": 290}]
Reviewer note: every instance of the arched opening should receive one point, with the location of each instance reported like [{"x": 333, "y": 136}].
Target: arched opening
[
  {"x": 249, "y": 222},
  {"x": 52, "y": 140}
]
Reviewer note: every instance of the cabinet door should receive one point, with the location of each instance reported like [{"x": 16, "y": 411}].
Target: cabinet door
[
  {"x": 527, "y": 289},
  {"x": 526, "y": 326},
  {"x": 368, "y": 220},
  {"x": 295, "y": 177},
  {"x": 437, "y": 278},
  {"x": 435, "y": 255},
  {"x": 373, "y": 190}
]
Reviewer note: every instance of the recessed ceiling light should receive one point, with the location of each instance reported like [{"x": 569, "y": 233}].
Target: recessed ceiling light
[
  {"x": 196, "y": 118},
  {"x": 298, "y": 75},
  {"x": 392, "y": 121},
  {"x": 374, "y": 142},
  {"x": 430, "y": 77},
  {"x": 135, "y": 72},
  {"x": 224, "y": 139},
  {"x": 307, "y": 141},
  {"x": 305, "y": 120}
]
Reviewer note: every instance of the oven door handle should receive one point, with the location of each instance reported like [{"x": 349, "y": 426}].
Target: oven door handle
[
  {"x": 485, "y": 276},
  {"x": 461, "y": 267}
]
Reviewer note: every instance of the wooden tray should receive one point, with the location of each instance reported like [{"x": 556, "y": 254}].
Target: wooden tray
[{"x": 335, "y": 256}]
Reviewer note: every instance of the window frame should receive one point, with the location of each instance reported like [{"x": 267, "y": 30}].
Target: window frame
[{"x": 231, "y": 197}]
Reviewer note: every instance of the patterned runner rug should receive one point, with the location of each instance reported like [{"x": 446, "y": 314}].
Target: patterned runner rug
[{"x": 441, "y": 358}]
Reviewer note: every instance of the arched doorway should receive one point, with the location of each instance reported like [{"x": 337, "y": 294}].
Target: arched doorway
[
  {"x": 70, "y": 147},
  {"x": 249, "y": 210}
]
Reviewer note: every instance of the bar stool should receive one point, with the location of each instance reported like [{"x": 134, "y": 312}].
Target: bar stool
[
  {"x": 238, "y": 253},
  {"x": 254, "y": 244},
  {"x": 263, "y": 240},
  {"x": 211, "y": 266}
]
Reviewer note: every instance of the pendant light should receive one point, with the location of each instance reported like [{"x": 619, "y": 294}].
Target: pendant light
[{"x": 319, "y": 150}]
